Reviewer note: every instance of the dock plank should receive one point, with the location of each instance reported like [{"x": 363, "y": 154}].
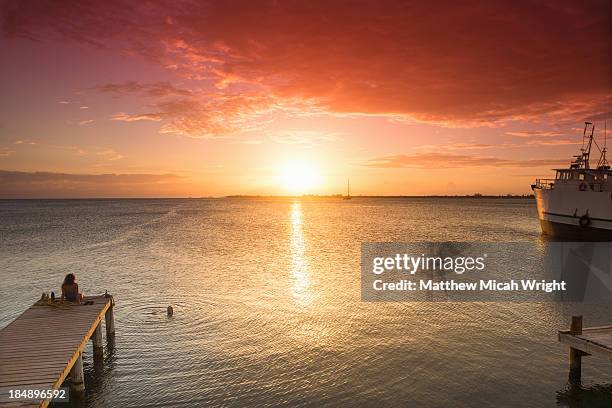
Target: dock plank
[
  {"x": 592, "y": 340},
  {"x": 39, "y": 347}
]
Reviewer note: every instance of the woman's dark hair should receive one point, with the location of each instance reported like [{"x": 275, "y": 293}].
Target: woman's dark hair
[{"x": 69, "y": 279}]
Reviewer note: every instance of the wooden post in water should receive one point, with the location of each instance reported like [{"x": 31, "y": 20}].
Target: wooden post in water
[
  {"x": 76, "y": 375},
  {"x": 575, "y": 354},
  {"x": 110, "y": 322},
  {"x": 98, "y": 348}
]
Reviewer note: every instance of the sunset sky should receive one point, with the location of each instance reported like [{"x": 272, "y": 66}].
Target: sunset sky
[{"x": 211, "y": 98}]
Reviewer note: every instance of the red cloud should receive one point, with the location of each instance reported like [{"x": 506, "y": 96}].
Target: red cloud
[{"x": 455, "y": 64}]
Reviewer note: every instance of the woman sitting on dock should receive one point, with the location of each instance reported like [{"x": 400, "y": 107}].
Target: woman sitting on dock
[{"x": 70, "y": 289}]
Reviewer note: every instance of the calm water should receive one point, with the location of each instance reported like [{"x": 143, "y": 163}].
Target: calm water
[{"x": 266, "y": 295}]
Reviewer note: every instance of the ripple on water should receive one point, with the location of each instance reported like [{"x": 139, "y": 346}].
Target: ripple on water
[{"x": 143, "y": 316}]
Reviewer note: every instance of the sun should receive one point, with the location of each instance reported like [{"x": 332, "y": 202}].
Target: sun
[{"x": 299, "y": 177}]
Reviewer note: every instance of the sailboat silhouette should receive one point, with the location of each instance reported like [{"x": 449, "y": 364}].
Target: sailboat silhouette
[{"x": 348, "y": 190}]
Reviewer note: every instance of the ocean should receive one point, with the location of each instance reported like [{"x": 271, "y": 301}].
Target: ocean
[{"x": 267, "y": 304}]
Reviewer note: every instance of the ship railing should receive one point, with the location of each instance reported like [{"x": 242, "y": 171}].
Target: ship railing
[{"x": 545, "y": 184}]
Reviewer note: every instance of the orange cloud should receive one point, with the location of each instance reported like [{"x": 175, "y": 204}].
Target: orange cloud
[
  {"x": 208, "y": 115},
  {"x": 562, "y": 142},
  {"x": 124, "y": 117},
  {"x": 535, "y": 133},
  {"x": 447, "y": 160}
]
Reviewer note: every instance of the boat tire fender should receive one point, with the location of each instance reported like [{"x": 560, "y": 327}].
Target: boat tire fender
[{"x": 585, "y": 220}]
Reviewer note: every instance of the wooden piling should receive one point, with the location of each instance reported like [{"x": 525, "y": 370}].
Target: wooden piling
[
  {"x": 110, "y": 322},
  {"x": 575, "y": 355},
  {"x": 77, "y": 378},
  {"x": 96, "y": 338}
]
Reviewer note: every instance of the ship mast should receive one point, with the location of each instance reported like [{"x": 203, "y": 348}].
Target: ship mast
[
  {"x": 603, "y": 164},
  {"x": 582, "y": 160}
]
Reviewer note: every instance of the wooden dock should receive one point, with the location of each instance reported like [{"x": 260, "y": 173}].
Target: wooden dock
[
  {"x": 44, "y": 346},
  {"x": 589, "y": 341}
]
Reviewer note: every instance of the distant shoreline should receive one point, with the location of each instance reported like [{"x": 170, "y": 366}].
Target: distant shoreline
[
  {"x": 386, "y": 196},
  {"x": 239, "y": 196}
]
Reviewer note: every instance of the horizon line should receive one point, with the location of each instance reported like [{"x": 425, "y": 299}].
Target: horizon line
[{"x": 235, "y": 196}]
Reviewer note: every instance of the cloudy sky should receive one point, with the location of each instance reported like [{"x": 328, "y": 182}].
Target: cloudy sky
[{"x": 198, "y": 98}]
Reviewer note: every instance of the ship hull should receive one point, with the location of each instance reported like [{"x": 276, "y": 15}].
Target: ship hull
[
  {"x": 570, "y": 232},
  {"x": 575, "y": 215}
]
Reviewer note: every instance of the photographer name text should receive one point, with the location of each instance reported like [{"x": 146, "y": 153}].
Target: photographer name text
[{"x": 482, "y": 285}]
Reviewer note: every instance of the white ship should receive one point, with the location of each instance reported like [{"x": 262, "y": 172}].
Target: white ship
[{"x": 577, "y": 203}]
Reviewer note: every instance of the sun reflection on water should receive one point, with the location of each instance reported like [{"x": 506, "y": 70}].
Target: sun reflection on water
[{"x": 299, "y": 264}]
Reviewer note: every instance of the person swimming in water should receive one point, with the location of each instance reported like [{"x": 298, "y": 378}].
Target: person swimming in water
[{"x": 70, "y": 289}]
